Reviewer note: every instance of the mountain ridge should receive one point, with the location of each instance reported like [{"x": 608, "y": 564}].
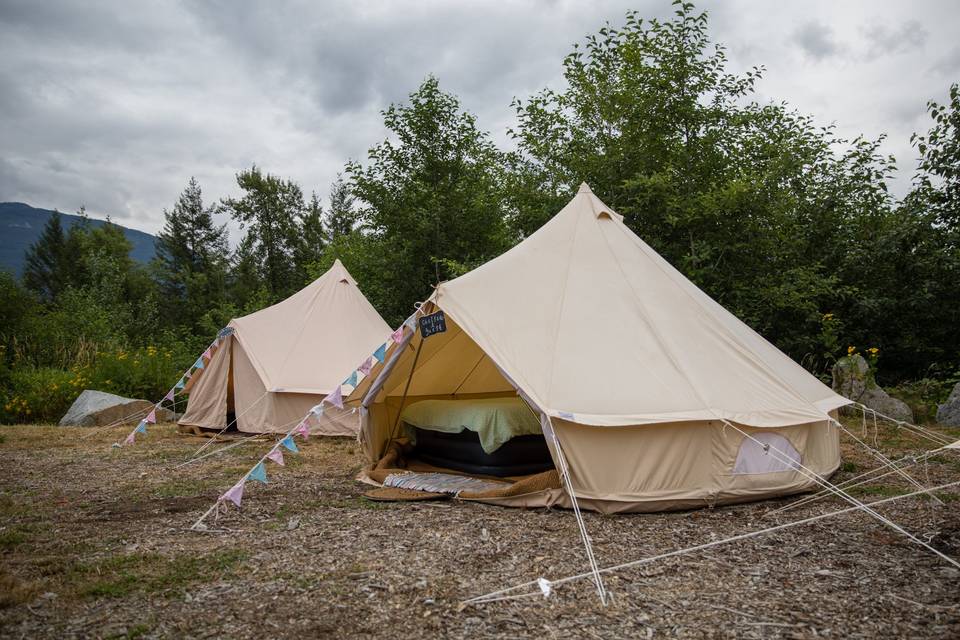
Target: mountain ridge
[{"x": 21, "y": 225}]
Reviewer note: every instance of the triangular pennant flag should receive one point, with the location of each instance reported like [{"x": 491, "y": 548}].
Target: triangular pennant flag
[
  {"x": 335, "y": 398},
  {"x": 169, "y": 395},
  {"x": 207, "y": 354},
  {"x": 277, "y": 456},
  {"x": 381, "y": 353},
  {"x": 303, "y": 430},
  {"x": 199, "y": 363},
  {"x": 235, "y": 494},
  {"x": 290, "y": 444},
  {"x": 317, "y": 410},
  {"x": 181, "y": 383},
  {"x": 130, "y": 439},
  {"x": 152, "y": 416},
  {"x": 397, "y": 335},
  {"x": 258, "y": 473},
  {"x": 352, "y": 380},
  {"x": 366, "y": 366},
  {"x": 411, "y": 322},
  {"x": 141, "y": 428},
  {"x": 188, "y": 374}
]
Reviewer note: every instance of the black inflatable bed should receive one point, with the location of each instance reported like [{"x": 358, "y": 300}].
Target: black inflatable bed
[{"x": 492, "y": 436}]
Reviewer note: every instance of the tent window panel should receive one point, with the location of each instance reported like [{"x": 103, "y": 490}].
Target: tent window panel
[{"x": 754, "y": 457}]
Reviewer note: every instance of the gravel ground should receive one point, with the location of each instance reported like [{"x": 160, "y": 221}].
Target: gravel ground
[{"x": 95, "y": 542}]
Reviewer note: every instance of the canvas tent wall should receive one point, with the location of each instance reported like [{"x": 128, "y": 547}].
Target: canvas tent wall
[
  {"x": 637, "y": 371},
  {"x": 281, "y": 361}
]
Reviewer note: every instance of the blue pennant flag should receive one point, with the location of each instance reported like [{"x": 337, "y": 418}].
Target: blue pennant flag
[
  {"x": 142, "y": 427},
  {"x": 199, "y": 363},
  {"x": 259, "y": 473},
  {"x": 352, "y": 380},
  {"x": 290, "y": 444},
  {"x": 381, "y": 353},
  {"x": 180, "y": 384}
]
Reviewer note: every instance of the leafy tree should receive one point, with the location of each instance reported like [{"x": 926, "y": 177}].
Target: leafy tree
[
  {"x": 271, "y": 209},
  {"x": 938, "y": 178},
  {"x": 190, "y": 265},
  {"x": 751, "y": 202},
  {"x": 429, "y": 194}
]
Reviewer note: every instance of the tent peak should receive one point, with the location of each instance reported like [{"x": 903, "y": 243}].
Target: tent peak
[{"x": 584, "y": 188}]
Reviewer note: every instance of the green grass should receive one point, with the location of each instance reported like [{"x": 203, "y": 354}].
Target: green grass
[
  {"x": 12, "y": 538},
  {"x": 150, "y": 573}
]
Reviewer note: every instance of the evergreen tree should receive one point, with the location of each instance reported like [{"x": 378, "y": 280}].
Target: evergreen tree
[
  {"x": 53, "y": 262},
  {"x": 343, "y": 216},
  {"x": 192, "y": 253},
  {"x": 312, "y": 238}
]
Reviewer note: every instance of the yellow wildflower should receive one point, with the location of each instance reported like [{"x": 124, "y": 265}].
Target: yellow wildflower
[
  {"x": 851, "y": 350},
  {"x": 828, "y": 316},
  {"x": 873, "y": 351}
]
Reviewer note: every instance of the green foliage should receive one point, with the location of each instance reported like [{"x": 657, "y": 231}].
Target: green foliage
[
  {"x": 191, "y": 264},
  {"x": 272, "y": 211},
  {"x": 777, "y": 219},
  {"x": 43, "y": 394},
  {"x": 786, "y": 224},
  {"x": 429, "y": 193}
]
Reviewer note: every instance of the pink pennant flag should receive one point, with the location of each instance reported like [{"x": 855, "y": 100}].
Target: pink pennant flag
[
  {"x": 303, "y": 429},
  {"x": 151, "y": 417},
  {"x": 130, "y": 439},
  {"x": 188, "y": 373},
  {"x": 335, "y": 398},
  {"x": 366, "y": 366},
  {"x": 276, "y": 455},
  {"x": 169, "y": 395},
  {"x": 397, "y": 335},
  {"x": 206, "y": 354},
  {"x": 235, "y": 494}
]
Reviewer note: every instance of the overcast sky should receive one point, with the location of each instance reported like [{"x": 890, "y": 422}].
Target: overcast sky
[{"x": 114, "y": 105}]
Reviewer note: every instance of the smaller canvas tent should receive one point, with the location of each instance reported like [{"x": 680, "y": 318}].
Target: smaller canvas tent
[
  {"x": 279, "y": 362},
  {"x": 648, "y": 384}
]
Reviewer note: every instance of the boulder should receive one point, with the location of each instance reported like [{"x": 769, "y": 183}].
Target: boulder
[
  {"x": 852, "y": 379},
  {"x": 97, "y": 409},
  {"x": 948, "y": 414}
]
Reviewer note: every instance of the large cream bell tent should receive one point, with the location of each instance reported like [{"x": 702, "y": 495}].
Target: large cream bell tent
[
  {"x": 277, "y": 363},
  {"x": 658, "y": 397}
]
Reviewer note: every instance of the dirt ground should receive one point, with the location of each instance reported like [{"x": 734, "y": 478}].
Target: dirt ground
[{"x": 95, "y": 542}]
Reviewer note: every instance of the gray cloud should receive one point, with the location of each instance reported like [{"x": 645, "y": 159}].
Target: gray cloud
[
  {"x": 884, "y": 40},
  {"x": 817, "y": 40},
  {"x": 115, "y": 105}
]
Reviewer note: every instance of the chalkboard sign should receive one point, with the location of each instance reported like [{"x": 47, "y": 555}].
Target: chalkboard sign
[{"x": 431, "y": 324}]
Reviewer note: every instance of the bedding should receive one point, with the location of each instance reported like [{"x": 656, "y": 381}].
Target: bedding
[{"x": 494, "y": 420}]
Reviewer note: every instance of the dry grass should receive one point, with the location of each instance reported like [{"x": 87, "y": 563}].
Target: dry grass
[{"x": 94, "y": 543}]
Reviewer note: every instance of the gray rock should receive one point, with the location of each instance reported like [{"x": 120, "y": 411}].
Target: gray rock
[
  {"x": 948, "y": 414},
  {"x": 97, "y": 408},
  {"x": 852, "y": 379}
]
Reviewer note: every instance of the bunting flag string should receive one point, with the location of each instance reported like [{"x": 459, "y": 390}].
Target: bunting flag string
[
  {"x": 335, "y": 398},
  {"x": 181, "y": 384},
  {"x": 258, "y": 473}
]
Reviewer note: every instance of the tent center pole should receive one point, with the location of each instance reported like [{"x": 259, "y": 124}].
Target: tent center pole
[{"x": 403, "y": 398}]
